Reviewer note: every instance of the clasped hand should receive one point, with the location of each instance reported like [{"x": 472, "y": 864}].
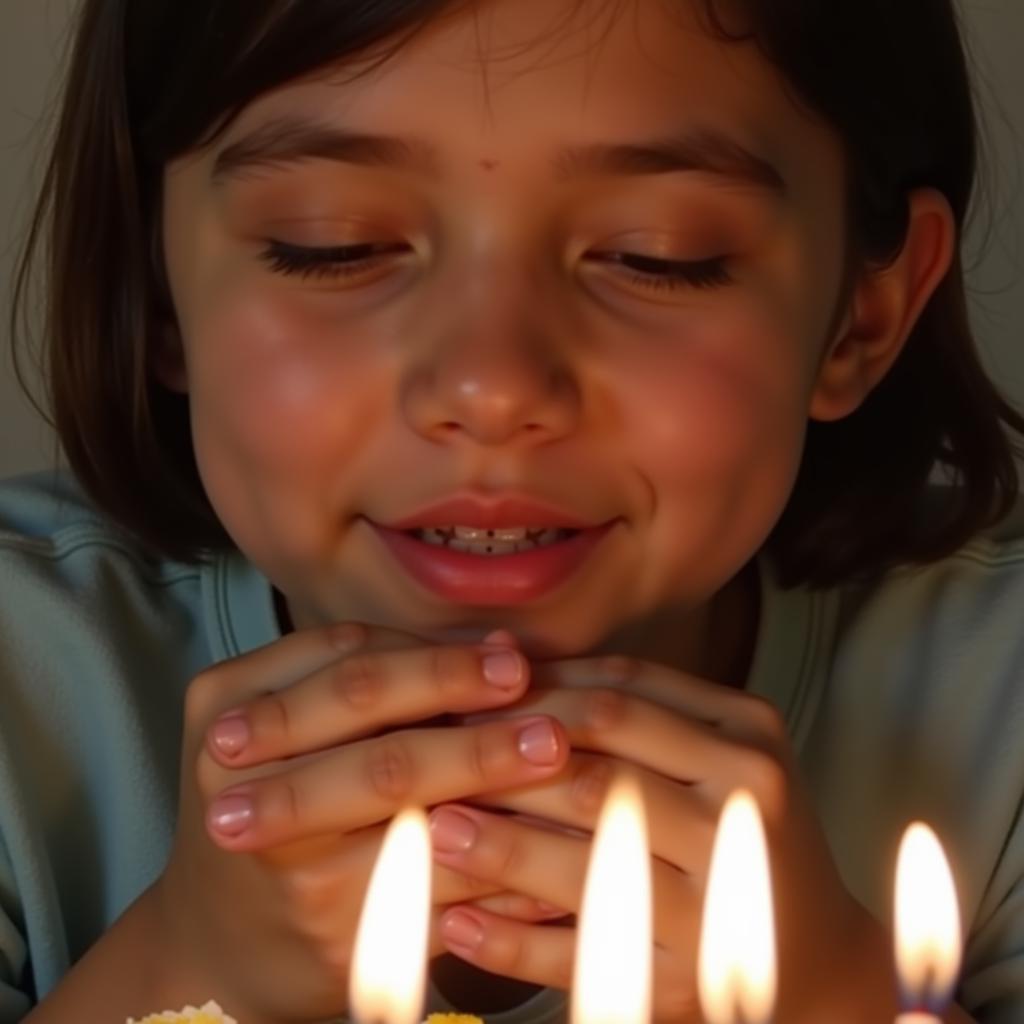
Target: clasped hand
[{"x": 299, "y": 753}]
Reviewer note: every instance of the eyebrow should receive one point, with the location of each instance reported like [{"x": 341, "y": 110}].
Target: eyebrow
[{"x": 286, "y": 141}]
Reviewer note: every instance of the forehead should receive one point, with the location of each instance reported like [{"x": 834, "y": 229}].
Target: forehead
[{"x": 498, "y": 83}]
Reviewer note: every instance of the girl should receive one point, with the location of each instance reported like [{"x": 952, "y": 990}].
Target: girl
[{"x": 464, "y": 399}]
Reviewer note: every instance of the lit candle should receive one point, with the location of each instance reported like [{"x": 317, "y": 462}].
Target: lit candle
[
  {"x": 387, "y": 981},
  {"x": 736, "y": 959},
  {"x": 612, "y": 977},
  {"x": 927, "y": 926}
]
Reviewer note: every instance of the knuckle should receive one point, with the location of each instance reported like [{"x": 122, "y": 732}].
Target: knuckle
[
  {"x": 336, "y": 955},
  {"x": 766, "y": 718},
  {"x": 389, "y": 769},
  {"x": 620, "y": 668},
  {"x": 591, "y": 778},
  {"x": 767, "y": 779},
  {"x": 309, "y": 890},
  {"x": 705, "y": 824},
  {"x": 208, "y": 776},
  {"x": 773, "y": 790},
  {"x": 487, "y": 761},
  {"x": 451, "y": 672},
  {"x": 347, "y": 636},
  {"x": 271, "y": 711},
  {"x": 278, "y": 806},
  {"x": 509, "y": 858},
  {"x": 514, "y": 953},
  {"x": 199, "y": 699},
  {"x": 605, "y": 708},
  {"x": 473, "y": 888},
  {"x": 358, "y": 683}
]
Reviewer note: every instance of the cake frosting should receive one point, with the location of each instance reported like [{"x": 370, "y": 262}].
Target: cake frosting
[{"x": 209, "y": 1013}]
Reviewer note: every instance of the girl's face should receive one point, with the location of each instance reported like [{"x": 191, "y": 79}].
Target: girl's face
[{"x": 497, "y": 342}]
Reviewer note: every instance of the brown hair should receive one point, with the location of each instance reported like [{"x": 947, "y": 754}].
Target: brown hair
[{"x": 149, "y": 81}]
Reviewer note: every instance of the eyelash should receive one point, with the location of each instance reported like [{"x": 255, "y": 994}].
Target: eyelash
[{"x": 350, "y": 260}]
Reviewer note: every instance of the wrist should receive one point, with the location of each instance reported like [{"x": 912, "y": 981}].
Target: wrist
[
  {"x": 853, "y": 981},
  {"x": 188, "y": 973}
]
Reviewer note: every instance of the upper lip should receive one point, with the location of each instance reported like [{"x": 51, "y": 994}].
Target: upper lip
[{"x": 492, "y": 514}]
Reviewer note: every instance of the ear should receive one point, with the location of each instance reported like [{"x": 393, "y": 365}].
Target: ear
[
  {"x": 884, "y": 309},
  {"x": 168, "y": 360}
]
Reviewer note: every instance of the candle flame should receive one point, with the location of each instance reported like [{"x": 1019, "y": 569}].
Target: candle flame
[
  {"x": 736, "y": 961},
  {"x": 387, "y": 983},
  {"x": 927, "y": 920},
  {"x": 612, "y": 981}
]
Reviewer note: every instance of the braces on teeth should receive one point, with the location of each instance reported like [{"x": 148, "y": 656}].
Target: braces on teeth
[{"x": 495, "y": 542}]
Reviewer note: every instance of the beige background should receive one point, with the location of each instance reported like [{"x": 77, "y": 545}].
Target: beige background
[{"x": 33, "y": 33}]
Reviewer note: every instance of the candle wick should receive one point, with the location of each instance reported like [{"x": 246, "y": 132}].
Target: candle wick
[
  {"x": 930, "y": 990},
  {"x": 929, "y": 997},
  {"x": 739, "y": 1015}
]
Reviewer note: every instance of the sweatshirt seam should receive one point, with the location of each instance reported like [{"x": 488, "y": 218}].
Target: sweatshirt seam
[
  {"x": 71, "y": 540},
  {"x": 802, "y": 689}
]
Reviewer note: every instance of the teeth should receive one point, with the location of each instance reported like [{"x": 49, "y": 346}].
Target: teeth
[
  {"x": 505, "y": 533},
  {"x": 505, "y": 541}
]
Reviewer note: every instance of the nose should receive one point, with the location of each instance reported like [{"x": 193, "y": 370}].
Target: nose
[{"x": 492, "y": 372}]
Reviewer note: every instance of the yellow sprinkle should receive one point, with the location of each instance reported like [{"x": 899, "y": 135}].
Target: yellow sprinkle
[
  {"x": 210, "y": 1013},
  {"x": 453, "y": 1018}
]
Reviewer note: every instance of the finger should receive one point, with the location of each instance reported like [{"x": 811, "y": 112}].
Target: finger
[
  {"x": 681, "y": 820},
  {"x": 368, "y": 781},
  {"x": 269, "y": 668},
  {"x": 710, "y": 761},
  {"x": 518, "y": 907},
  {"x": 349, "y": 859},
  {"x": 361, "y": 694},
  {"x": 547, "y": 866},
  {"x": 543, "y": 864},
  {"x": 538, "y": 953},
  {"x": 544, "y": 954},
  {"x": 448, "y": 886},
  {"x": 735, "y": 712},
  {"x": 610, "y": 721}
]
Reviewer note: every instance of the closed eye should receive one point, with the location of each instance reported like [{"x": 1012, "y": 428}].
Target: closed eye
[
  {"x": 334, "y": 261},
  {"x": 665, "y": 274},
  {"x": 344, "y": 261}
]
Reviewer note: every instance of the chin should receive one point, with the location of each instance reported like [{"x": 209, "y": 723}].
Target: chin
[{"x": 536, "y": 646}]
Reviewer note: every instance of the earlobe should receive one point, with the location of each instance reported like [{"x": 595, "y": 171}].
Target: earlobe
[
  {"x": 884, "y": 309},
  {"x": 168, "y": 360}
]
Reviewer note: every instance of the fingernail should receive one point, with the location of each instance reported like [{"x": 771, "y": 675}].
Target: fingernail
[
  {"x": 503, "y": 669},
  {"x": 538, "y": 743},
  {"x": 231, "y": 734},
  {"x": 231, "y": 815},
  {"x": 452, "y": 832},
  {"x": 459, "y": 929},
  {"x": 500, "y": 636}
]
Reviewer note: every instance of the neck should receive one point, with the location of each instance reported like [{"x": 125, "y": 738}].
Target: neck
[{"x": 714, "y": 642}]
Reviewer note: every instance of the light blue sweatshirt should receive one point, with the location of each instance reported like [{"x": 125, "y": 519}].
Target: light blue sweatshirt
[{"x": 904, "y": 700}]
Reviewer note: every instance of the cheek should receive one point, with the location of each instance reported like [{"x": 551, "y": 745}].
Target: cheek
[
  {"x": 282, "y": 397},
  {"x": 727, "y": 398},
  {"x": 716, "y": 428},
  {"x": 274, "y": 383}
]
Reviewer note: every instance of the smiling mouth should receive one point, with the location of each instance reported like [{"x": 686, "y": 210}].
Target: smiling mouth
[{"x": 487, "y": 568}]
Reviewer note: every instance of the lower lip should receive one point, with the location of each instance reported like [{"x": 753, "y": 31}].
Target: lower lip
[{"x": 491, "y": 579}]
